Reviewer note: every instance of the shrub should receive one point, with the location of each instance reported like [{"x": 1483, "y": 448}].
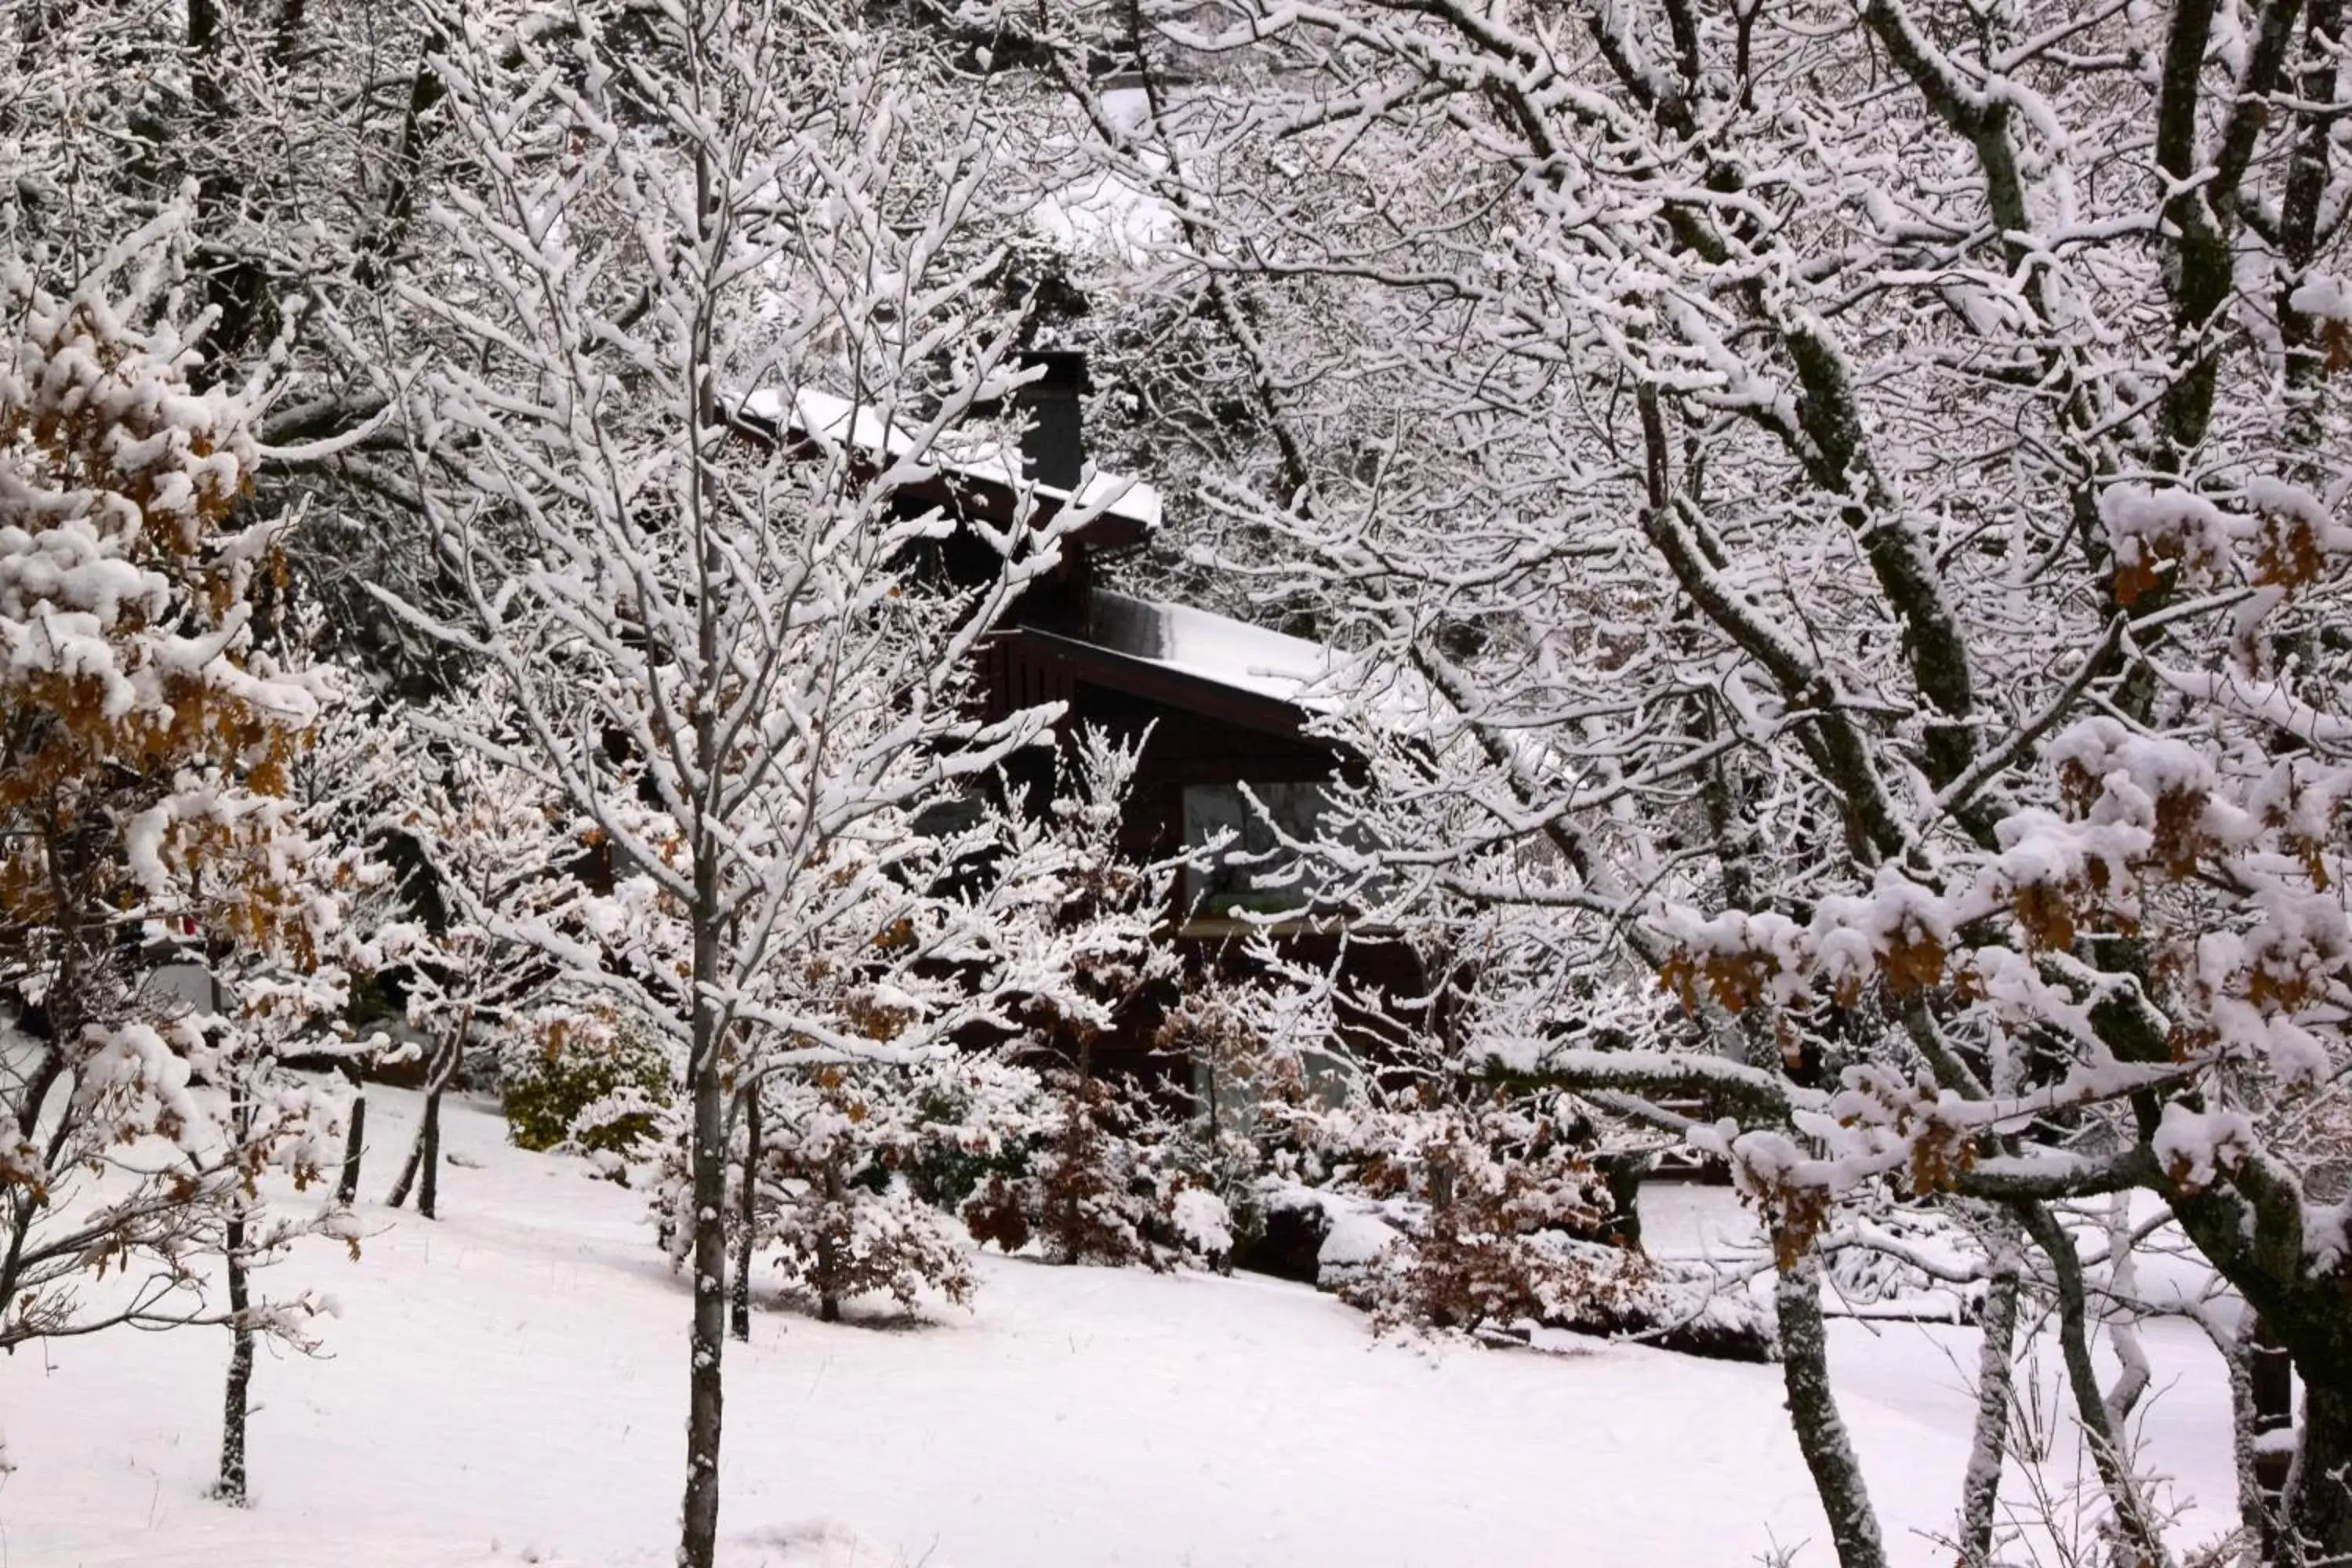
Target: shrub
[
  {"x": 855, "y": 1164},
  {"x": 1241, "y": 1087},
  {"x": 841, "y": 1240},
  {"x": 1494, "y": 1204},
  {"x": 1073, "y": 1189},
  {"x": 830, "y": 1195},
  {"x": 1108, "y": 1181},
  {"x": 977, "y": 1118},
  {"x": 594, "y": 1085}
]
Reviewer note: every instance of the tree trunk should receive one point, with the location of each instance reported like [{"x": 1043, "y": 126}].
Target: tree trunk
[
  {"x": 2269, "y": 1376},
  {"x": 428, "y": 1144},
  {"x": 22, "y": 1203},
  {"x": 1996, "y": 1375},
  {"x": 2319, "y": 1490},
  {"x": 2257, "y": 1503},
  {"x": 2123, "y": 1330},
  {"x": 425, "y": 1149},
  {"x": 1813, "y": 1412},
  {"x": 2136, "y": 1528},
  {"x": 699, "y": 1537},
  {"x": 233, "y": 282},
  {"x": 828, "y": 1250},
  {"x": 2256, "y": 1238},
  {"x": 231, "y": 1488},
  {"x": 1623, "y": 1174},
  {"x": 408, "y": 1168},
  {"x": 2301, "y": 204},
  {"x": 747, "y": 1218},
  {"x": 347, "y": 1190}
]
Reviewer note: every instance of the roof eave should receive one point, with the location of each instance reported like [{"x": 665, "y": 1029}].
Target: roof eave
[{"x": 1156, "y": 683}]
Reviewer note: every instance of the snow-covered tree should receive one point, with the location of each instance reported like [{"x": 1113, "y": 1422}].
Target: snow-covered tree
[
  {"x": 701, "y": 347},
  {"x": 147, "y": 743},
  {"x": 1084, "y": 955},
  {"x": 303, "y": 136},
  {"x": 488, "y": 847},
  {"x": 983, "y": 953},
  {"x": 266, "y": 1009},
  {"x": 846, "y": 1153},
  {"x": 352, "y": 765},
  {"x": 172, "y": 927},
  {"x": 1839, "y": 509}
]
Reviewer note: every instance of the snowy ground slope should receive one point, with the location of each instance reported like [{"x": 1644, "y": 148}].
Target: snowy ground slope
[{"x": 507, "y": 1386}]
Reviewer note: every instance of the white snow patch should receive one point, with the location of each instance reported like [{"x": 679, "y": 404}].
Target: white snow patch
[
  {"x": 2197, "y": 1146},
  {"x": 813, "y": 1544},
  {"x": 2319, "y": 294},
  {"x": 1203, "y": 1220},
  {"x": 514, "y": 1372},
  {"x": 1355, "y": 1238}
]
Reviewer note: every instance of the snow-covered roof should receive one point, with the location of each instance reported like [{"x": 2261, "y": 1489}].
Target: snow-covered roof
[
  {"x": 1312, "y": 676},
  {"x": 1214, "y": 647},
  {"x": 861, "y": 425}
]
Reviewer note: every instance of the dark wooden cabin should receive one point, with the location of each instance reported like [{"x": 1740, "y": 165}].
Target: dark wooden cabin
[{"x": 1217, "y": 699}]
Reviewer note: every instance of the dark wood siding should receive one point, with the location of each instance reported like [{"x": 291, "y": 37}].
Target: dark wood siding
[{"x": 1239, "y": 741}]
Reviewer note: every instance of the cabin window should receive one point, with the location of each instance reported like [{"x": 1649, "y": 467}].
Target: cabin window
[{"x": 1239, "y": 862}]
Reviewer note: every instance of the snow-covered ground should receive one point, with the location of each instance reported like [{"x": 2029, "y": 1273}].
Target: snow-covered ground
[{"x": 508, "y": 1385}]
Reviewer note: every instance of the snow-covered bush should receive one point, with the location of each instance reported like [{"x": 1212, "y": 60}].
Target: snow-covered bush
[
  {"x": 848, "y": 1162},
  {"x": 829, "y": 1193},
  {"x": 1219, "y": 1148},
  {"x": 1487, "y": 1191},
  {"x": 1483, "y": 1212},
  {"x": 587, "y": 1080},
  {"x": 836, "y": 1242},
  {"x": 1111, "y": 1177},
  {"x": 1076, "y": 1191},
  {"x": 988, "y": 1114}
]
